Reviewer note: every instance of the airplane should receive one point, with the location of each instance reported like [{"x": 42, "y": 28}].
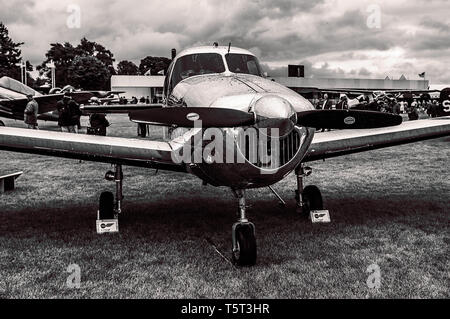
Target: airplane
[
  {"x": 214, "y": 93},
  {"x": 13, "y": 100}
]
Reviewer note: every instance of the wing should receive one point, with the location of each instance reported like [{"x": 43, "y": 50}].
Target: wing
[
  {"x": 117, "y": 150},
  {"x": 337, "y": 143},
  {"x": 13, "y": 108}
]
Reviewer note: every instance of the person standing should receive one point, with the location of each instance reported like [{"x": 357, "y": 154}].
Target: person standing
[
  {"x": 326, "y": 105},
  {"x": 66, "y": 119},
  {"x": 396, "y": 107},
  {"x": 435, "y": 109},
  {"x": 31, "y": 112},
  {"x": 342, "y": 105},
  {"x": 413, "y": 113},
  {"x": 99, "y": 123},
  {"x": 75, "y": 114}
]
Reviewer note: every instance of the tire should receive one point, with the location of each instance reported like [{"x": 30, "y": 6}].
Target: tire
[
  {"x": 312, "y": 199},
  {"x": 106, "y": 205},
  {"x": 246, "y": 242}
]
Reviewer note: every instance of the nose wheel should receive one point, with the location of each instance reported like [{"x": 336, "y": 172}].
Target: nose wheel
[
  {"x": 308, "y": 198},
  {"x": 244, "y": 252},
  {"x": 243, "y": 236}
]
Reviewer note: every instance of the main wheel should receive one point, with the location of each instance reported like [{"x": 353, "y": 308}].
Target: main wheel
[
  {"x": 312, "y": 200},
  {"x": 106, "y": 205},
  {"x": 245, "y": 255}
]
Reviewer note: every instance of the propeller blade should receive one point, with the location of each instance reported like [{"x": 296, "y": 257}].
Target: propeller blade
[
  {"x": 115, "y": 108},
  {"x": 185, "y": 116},
  {"x": 347, "y": 119}
]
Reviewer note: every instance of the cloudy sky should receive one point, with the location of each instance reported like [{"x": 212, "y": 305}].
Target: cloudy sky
[{"x": 332, "y": 38}]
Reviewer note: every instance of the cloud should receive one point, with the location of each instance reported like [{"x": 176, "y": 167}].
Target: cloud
[{"x": 334, "y": 33}]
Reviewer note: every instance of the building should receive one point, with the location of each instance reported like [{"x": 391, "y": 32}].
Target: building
[
  {"x": 310, "y": 88},
  {"x": 138, "y": 85},
  {"x": 298, "y": 83}
]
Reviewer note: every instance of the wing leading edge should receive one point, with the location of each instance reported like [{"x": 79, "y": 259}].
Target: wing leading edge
[
  {"x": 343, "y": 142},
  {"x": 117, "y": 150}
]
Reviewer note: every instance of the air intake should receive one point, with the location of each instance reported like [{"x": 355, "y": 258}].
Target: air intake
[{"x": 271, "y": 153}]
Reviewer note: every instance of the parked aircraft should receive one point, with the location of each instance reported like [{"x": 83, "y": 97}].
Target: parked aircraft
[
  {"x": 13, "y": 99},
  {"x": 215, "y": 93}
]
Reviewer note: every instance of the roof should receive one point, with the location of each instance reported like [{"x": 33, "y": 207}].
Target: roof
[
  {"x": 137, "y": 81},
  {"x": 211, "y": 49}
]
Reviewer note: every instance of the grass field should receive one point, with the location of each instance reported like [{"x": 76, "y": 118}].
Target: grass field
[{"x": 388, "y": 207}]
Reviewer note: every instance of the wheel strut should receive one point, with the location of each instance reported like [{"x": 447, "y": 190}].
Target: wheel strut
[
  {"x": 118, "y": 177},
  {"x": 301, "y": 171},
  {"x": 243, "y": 235}
]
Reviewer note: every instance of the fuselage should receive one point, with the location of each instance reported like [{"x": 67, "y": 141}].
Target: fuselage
[{"x": 194, "y": 80}]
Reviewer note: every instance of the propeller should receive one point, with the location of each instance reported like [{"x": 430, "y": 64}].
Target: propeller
[
  {"x": 347, "y": 119},
  {"x": 223, "y": 117},
  {"x": 185, "y": 116}
]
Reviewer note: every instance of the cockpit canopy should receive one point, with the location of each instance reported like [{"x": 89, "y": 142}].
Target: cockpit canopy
[
  {"x": 208, "y": 63},
  {"x": 243, "y": 63},
  {"x": 196, "y": 64}
]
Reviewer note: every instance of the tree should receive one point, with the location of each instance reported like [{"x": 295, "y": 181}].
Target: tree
[
  {"x": 10, "y": 54},
  {"x": 154, "y": 64},
  {"x": 127, "y": 68},
  {"x": 64, "y": 55},
  {"x": 89, "y": 73},
  {"x": 89, "y": 48}
]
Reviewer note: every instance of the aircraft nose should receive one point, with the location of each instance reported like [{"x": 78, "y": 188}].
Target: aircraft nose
[{"x": 273, "y": 112}]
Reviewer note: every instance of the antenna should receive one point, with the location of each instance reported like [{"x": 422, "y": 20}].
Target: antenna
[{"x": 229, "y": 47}]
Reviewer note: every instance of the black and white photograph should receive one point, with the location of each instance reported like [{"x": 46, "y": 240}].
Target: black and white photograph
[{"x": 223, "y": 156}]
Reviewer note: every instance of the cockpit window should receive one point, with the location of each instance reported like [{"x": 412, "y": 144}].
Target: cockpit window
[
  {"x": 196, "y": 64},
  {"x": 243, "y": 63}
]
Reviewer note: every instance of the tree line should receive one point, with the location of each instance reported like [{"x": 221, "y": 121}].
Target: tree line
[{"x": 88, "y": 65}]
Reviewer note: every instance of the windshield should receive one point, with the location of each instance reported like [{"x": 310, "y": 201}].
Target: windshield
[
  {"x": 243, "y": 63},
  {"x": 196, "y": 64}
]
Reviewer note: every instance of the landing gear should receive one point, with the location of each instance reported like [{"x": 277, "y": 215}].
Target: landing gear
[
  {"x": 243, "y": 236},
  {"x": 107, "y": 206},
  {"x": 2, "y": 123},
  {"x": 308, "y": 198}
]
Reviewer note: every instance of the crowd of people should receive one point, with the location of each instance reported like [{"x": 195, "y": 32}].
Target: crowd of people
[
  {"x": 134, "y": 100},
  {"x": 412, "y": 107},
  {"x": 69, "y": 114}
]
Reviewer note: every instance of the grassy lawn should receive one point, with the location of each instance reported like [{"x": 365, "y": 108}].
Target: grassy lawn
[{"x": 388, "y": 207}]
